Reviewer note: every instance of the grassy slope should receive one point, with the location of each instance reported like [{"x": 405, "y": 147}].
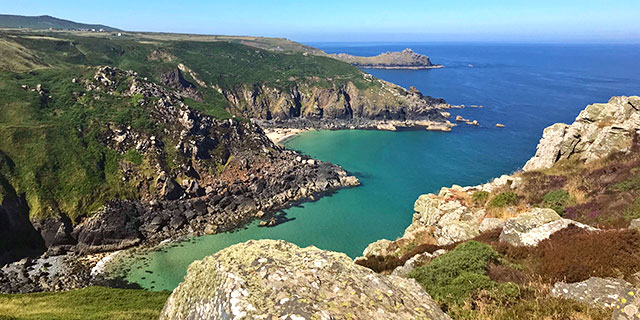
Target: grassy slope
[
  {"x": 54, "y": 145},
  {"x": 91, "y": 303},
  {"x": 45, "y": 22}
]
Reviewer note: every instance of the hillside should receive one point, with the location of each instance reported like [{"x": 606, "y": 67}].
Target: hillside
[
  {"x": 405, "y": 59},
  {"x": 47, "y": 22}
]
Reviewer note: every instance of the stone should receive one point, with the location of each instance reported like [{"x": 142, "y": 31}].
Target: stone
[
  {"x": 489, "y": 224},
  {"x": 628, "y": 306},
  {"x": 378, "y": 248},
  {"x": 600, "y": 292},
  {"x": 456, "y": 231},
  {"x": 415, "y": 261},
  {"x": 270, "y": 279},
  {"x": 528, "y": 229},
  {"x": 635, "y": 224}
]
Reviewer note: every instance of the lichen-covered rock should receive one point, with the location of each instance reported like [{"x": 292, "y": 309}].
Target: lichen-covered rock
[
  {"x": 529, "y": 228},
  {"x": 416, "y": 261},
  {"x": 271, "y": 279},
  {"x": 378, "y": 248},
  {"x": 489, "y": 224},
  {"x": 628, "y": 306},
  {"x": 600, "y": 129},
  {"x": 601, "y": 292}
]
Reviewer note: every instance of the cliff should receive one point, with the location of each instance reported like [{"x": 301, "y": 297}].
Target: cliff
[
  {"x": 577, "y": 197},
  {"x": 274, "y": 279},
  {"x": 405, "y": 59}
]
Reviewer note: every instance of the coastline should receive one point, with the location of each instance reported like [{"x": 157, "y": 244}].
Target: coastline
[
  {"x": 280, "y": 135},
  {"x": 437, "y": 66}
]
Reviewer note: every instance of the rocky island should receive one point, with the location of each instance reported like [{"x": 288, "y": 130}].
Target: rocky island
[{"x": 405, "y": 59}]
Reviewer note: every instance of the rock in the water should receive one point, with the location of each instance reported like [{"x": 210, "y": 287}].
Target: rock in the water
[
  {"x": 601, "y": 292},
  {"x": 528, "y": 229},
  {"x": 270, "y": 279},
  {"x": 599, "y": 130}
]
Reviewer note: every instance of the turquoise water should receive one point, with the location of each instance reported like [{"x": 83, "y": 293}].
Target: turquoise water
[{"x": 528, "y": 88}]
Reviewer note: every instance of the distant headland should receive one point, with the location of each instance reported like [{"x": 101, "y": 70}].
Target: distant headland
[{"x": 405, "y": 59}]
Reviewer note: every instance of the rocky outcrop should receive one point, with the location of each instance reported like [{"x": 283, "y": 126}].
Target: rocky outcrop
[
  {"x": 601, "y": 292},
  {"x": 305, "y": 105},
  {"x": 270, "y": 279},
  {"x": 530, "y": 228},
  {"x": 599, "y": 130},
  {"x": 18, "y": 238},
  {"x": 405, "y": 59}
]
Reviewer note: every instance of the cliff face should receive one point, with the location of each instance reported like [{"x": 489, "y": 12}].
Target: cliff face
[
  {"x": 269, "y": 279},
  {"x": 598, "y": 130},
  {"x": 406, "y": 59}
]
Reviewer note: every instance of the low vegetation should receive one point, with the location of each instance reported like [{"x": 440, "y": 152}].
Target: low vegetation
[{"x": 91, "y": 303}]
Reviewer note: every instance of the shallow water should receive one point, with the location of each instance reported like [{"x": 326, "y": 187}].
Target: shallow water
[{"x": 525, "y": 87}]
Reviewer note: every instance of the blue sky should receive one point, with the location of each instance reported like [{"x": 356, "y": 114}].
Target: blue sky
[{"x": 373, "y": 20}]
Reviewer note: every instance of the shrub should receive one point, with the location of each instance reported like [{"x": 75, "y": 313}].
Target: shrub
[
  {"x": 480, "y": 197},
  {"x": 631, "y": 183},
  {"x": 632, "y": 212},
  {"x": 558, "y": 200},
  {"x": 504, "y": 199},
  {"x": 574, "y": 254},
  {"x": 453, "y": 277},
  {"x": 380, "y": 263},
  {"x": 536, "y": 184}
]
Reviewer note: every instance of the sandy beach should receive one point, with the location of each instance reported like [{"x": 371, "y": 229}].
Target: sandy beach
[{"x": 279, "y": 135}]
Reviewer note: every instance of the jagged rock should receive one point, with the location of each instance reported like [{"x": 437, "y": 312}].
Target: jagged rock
[
  {"x": 528, "y": 229},
  {"x": 489, "y": 224},
  {"x": 599, "y": 130},
  {"x": 405, "y": 59},
  {"x": 378, "y": 248},
  {"x": 416, "y": 261},
  {"x": 270, "y": 279},
  {"x": 600, "y": 292},
  {"x": 456, "y": 231},
  {"x": 113, "y": 228}
]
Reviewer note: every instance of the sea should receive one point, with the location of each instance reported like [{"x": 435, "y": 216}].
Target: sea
[{"x": 526, "y": 87}]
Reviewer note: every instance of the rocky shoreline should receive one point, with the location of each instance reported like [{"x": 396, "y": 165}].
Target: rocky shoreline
[{"x": 253, "y": 179}]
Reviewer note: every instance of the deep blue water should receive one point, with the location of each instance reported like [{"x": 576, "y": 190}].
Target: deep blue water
[{"x": 525, "y": 87}]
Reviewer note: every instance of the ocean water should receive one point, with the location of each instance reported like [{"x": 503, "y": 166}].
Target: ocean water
[{"x": 524, "y": 86}]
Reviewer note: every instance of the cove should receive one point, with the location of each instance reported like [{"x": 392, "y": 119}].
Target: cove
[{"x": 525, "y": 87}]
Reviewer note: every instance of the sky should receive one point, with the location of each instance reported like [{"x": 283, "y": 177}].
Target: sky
[{"x": 362, "y": 21}]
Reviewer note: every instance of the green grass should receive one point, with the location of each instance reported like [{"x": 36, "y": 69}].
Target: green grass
[
  {"x": 558, "y": 200},
  {"x": 504, "y": 199},
  {"x": 91, "y": 303}
]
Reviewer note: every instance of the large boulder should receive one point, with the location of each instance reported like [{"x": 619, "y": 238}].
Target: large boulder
[
  {"x": 269, "y": 279},
  {"x": 600, "y": 292},
  {"x": 599, "y": 130},
  {"x": 528, "y": 229}
]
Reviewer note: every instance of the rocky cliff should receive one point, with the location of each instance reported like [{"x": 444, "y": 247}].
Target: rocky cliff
[
  {"x": 598, "y": 130},
  {"x": 173, "y": 171},
  {"x": 579, "y": 192},
  {"x": 405, "y": 59},
  {"x": 341, "y": 106},
  {"x": 269, "y": 279}
]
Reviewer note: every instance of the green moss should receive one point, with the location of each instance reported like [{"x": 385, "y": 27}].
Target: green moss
[
  {"x": 504, "y": 199},
  {"x": 454, "y": 276},
  {"x": 91, "y": 303},
  {"x": 480, "y": 197},
  {"x": 558, "y": 200},
  {"x": 133, "y": 156}
]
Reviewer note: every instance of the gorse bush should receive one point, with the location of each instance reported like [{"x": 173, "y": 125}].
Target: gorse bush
[
  {"x": 480, "y": 197},
  {"x": 558, "y": 200},
  {"x": 454, "y": 276},
  {"x": 504, "y": 199}
]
